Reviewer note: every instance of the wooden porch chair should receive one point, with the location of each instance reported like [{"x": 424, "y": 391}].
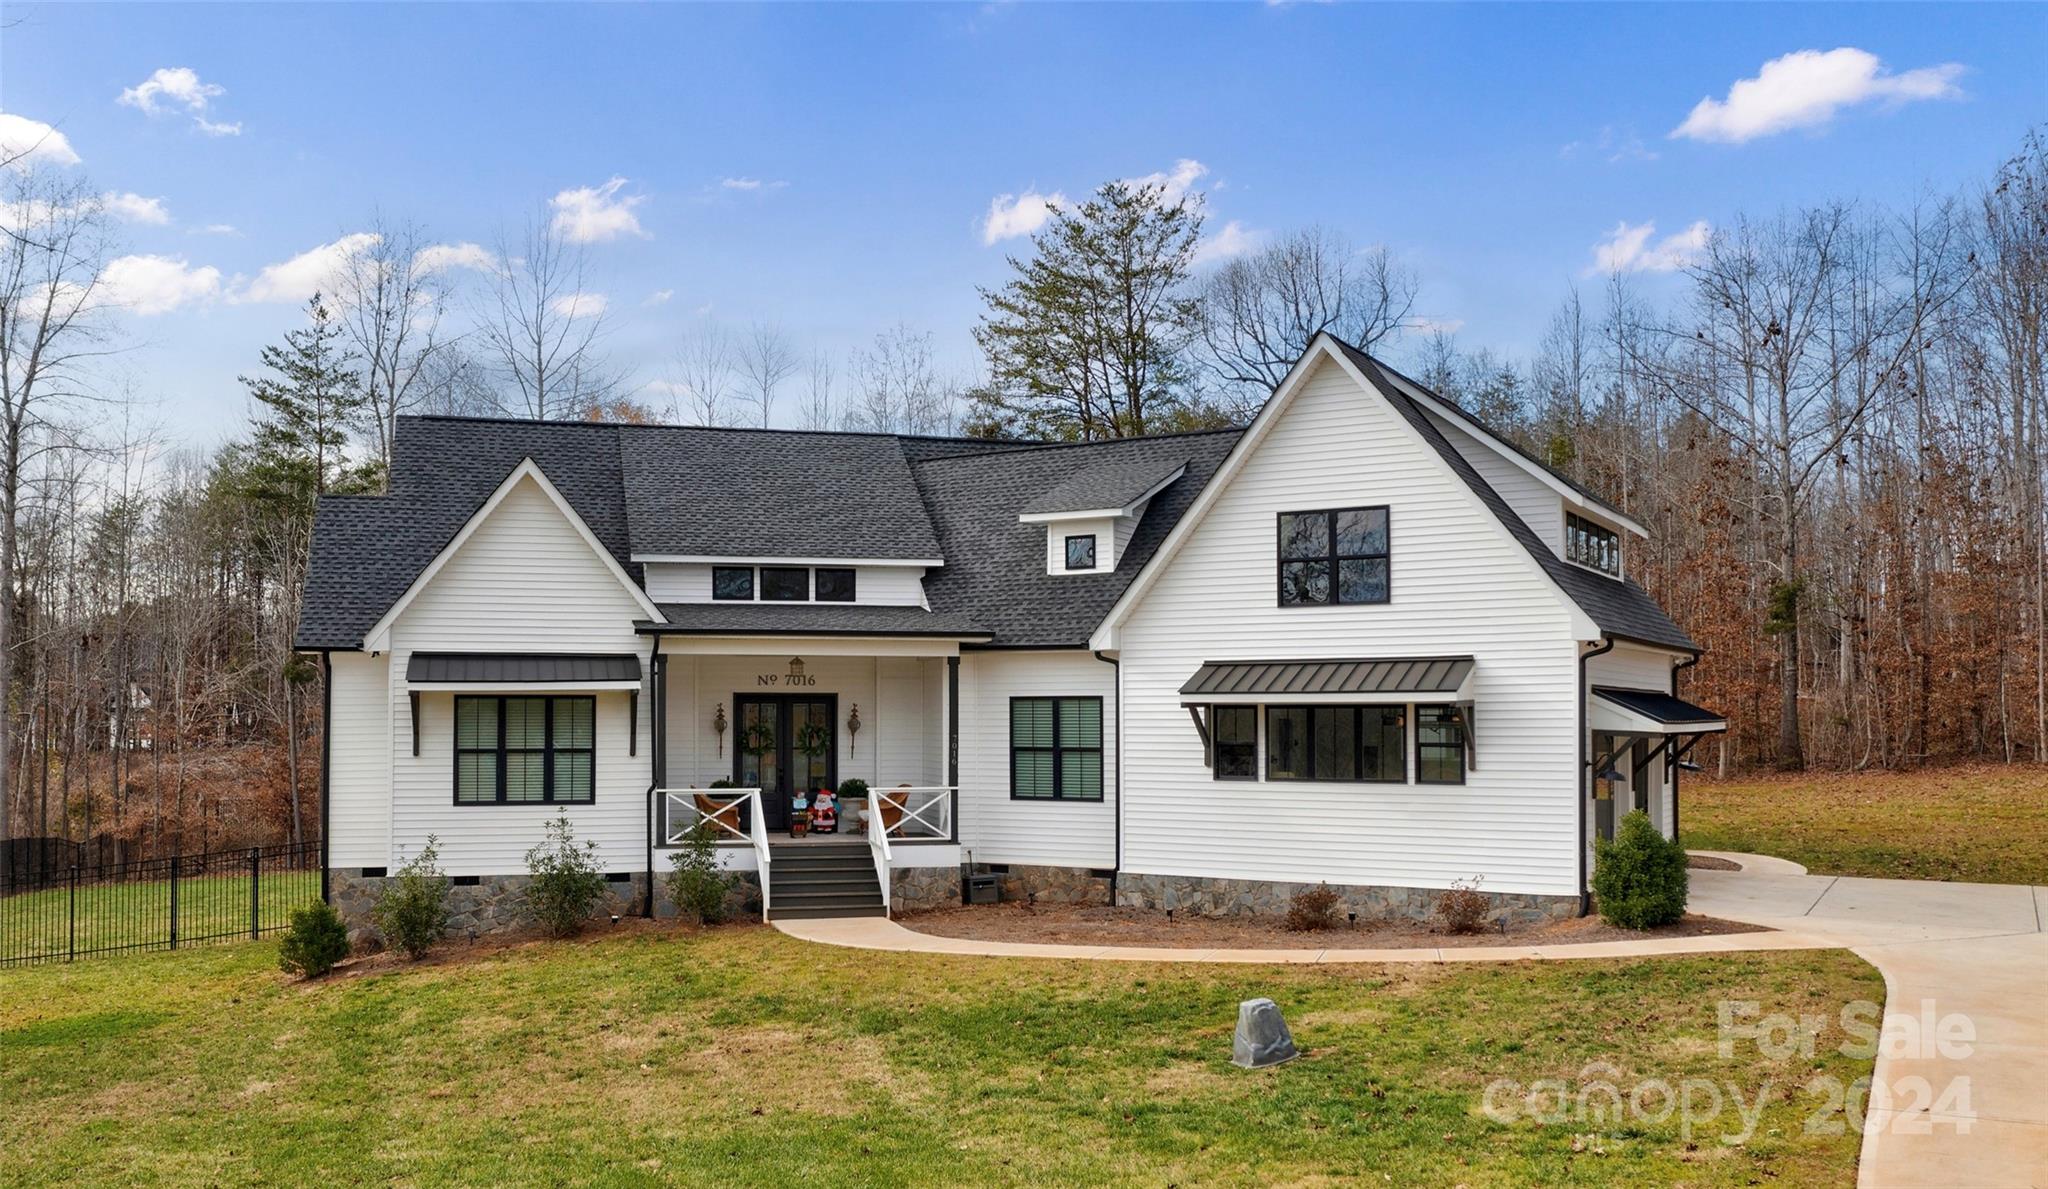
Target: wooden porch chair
[{"x": 725, "y": 814}]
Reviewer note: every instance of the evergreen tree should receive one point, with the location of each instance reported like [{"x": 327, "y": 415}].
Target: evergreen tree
[
  {"x": 1089, "y": 340},
  {"x": 310, "y": 395}
]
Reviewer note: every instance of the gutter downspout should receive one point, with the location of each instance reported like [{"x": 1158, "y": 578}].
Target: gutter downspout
[
  {"x": 1584, "y": 781},
  {"x": 1687, "y": 663},
  {"x": 657, "y": 716},
  {"x": 1117, "y": 732},
  {"x": 326, "y": 761}
]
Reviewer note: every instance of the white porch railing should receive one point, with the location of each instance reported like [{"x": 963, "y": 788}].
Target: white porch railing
[
  {"x": 731, "y": 813},
  {"x": 906, "y": 812}
]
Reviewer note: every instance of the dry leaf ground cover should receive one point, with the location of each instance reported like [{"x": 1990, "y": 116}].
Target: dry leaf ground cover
[
  {"x": 740, "y": 1056},
  {"x": 1978, "y": 823}
]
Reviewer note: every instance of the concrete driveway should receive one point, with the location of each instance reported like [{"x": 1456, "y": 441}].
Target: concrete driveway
[{"x": 1956, "y": 1112}]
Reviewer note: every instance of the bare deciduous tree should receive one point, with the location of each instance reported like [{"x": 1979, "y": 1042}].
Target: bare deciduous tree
[
  {"x": 540, "y": 328},
  {"x": 391, "y": 309},
  {"x": 896, "y": 388},
  {"x": 766, "y": 359},
  {"x": 702, "y": 376},
  {"x": 818, "y": 411}
]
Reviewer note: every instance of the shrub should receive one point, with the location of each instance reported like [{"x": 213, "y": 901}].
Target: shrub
[
  {"x": 566, "y": 885},
  {"x": 852, "y": 789},
  {"x": 314, "y": 942},
  {"x": 413, "y": 911},
  {"x": 1639, "y": 877},
  {"x": 697, "y": 885},
  {"x": 1312, "y": 909},
  {"x": 1463, "y": 908}
]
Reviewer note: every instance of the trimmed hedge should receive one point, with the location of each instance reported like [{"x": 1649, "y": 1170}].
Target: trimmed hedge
[{"x": 1639, "y": 877}]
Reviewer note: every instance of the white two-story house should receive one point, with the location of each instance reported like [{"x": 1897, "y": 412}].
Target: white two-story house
[{"x": 1362, "y": 642}]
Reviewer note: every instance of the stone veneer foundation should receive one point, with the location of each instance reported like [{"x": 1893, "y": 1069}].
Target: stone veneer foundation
[
  {"x": 912, "y": 889},
  {"x": 496, "y": 902},
  {"x": 1051, "y": 885},
  {"x": 1205, "y": 896}
]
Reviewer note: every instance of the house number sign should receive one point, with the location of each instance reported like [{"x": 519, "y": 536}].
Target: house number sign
[{"x": 796, "y": 678}]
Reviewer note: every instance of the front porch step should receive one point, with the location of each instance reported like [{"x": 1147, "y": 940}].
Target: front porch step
[
  {"x": 823, "y": 879},
  {"x": 807, "y": 897},
  {"x": 812, "y": 914}
]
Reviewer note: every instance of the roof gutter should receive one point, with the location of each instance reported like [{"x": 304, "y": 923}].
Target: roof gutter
[
  {"x": 1584, "y": 782},
  {"x": 1116, "y": 732},
  {"x": 1676, "y": 669}
]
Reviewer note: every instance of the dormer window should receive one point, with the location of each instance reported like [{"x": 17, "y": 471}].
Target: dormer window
[
  {"x": 735, "y": 583},
  {"x": 1081, "y": 552},
  {"x": 1591, "y": 545},
  {"x": 785, "y": 584}
]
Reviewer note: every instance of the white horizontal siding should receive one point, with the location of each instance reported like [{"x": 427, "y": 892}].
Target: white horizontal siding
[
  {"x": 1042, "y": 833},
  {"x": 1103, "y": 529},
  {"x": 690, "y": 582},
  {"x": 1536, "y": 502},
  {"x": 1632, "y": 666},
  {"x": 359, "y": 766},
  {"x": 1460, "y": 587},
  {"x": 525, "y": 581}
]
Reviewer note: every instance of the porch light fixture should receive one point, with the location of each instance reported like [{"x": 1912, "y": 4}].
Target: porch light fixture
[
  {"x": 1689, "y": 766},
  {"x": 853, "y": 731},
  {"x": 1611, "y": 775},
  {"x": 719, "y": 724},
  {"x": 796, "y": 669}
]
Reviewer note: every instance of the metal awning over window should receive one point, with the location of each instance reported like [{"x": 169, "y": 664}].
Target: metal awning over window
[
  {"x": 535, "y": 670},
  {"x": 1395, "y": 679},
  {"x": 1646, "y": 712}
]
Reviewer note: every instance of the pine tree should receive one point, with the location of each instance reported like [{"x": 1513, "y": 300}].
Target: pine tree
[{"x": 310, "y": 397}]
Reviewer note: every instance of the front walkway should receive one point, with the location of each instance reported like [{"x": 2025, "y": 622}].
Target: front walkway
[{"x": 1972, "y": 951}]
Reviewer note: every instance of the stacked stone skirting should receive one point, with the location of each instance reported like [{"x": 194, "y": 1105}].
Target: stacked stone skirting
[
  {"x": 1205, "y": 896},
  {"x": 1051, "y": 885},
  {"x": 913, "y": 889},
  {"x": 496, "y": 903}
]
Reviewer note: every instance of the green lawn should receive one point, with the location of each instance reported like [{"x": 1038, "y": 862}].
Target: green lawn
[
  {"x": 114, "y": 916},
  {"x": 745, "y": 1057},
  {"x": 1981, "y": 824}
]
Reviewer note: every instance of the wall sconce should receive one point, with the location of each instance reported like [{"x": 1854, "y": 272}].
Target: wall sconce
[
  {"x": 853, "y": 731},
  {"x": 796, "y": 670},
  {"x": 719, "y": 724}
]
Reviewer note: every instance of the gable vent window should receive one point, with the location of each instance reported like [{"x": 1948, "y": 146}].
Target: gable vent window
[
  {"x": 1338, "y": 556},
  {"x": 1081, "y": 552},
  {"x": 1592, "y": 546}
]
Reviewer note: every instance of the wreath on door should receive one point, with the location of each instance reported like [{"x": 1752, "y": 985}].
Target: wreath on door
[
  {"x": 813, "y": 739},
  {"x": 758, "y": 737}
]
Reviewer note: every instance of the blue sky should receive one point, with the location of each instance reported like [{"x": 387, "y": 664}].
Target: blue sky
[{"x": 1493, "y": 147}]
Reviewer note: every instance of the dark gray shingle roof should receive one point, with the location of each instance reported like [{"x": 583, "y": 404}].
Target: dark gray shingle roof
[
  {"x": 995, "y": 567},
  {"x": 771, "y": 493},
  {"x": 1619, "y": 608},
  {"x": 1110, "y": 483},
  {"x": 809, "y": 619}
]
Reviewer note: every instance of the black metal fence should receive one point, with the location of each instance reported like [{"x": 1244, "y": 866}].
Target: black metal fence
[{"x": 153, "y": 904}]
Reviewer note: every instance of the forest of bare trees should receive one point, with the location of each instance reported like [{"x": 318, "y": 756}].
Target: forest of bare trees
[{"x": 1831, "y": 420}]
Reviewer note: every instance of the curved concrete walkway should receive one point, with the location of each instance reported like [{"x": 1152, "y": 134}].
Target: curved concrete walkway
[{"x": 1973, "y": 954}]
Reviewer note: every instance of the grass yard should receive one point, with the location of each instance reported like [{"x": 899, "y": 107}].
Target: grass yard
[
  {"x": 116, "y": 916},
  {"x": 1979, "y": 824},
  {"x": 745, "y": 1057}
]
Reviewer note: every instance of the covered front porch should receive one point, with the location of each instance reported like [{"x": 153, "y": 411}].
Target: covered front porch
[
  {"x": 825, "y": 764},
  {"x": 1640, "y": 740}
]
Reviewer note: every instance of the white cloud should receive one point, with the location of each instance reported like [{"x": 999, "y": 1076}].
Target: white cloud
[
  {"x": 1628, "y": 249},
  {"x": 179, "y": 87},
  {"x": 1613, "y": 144},
  {"x": 309, "y": 272},
  {"x": 659, "y": 297},
  {"x": 1174, "y": 183},
  {"x": 157, "y": 284},
  {"x": 1805, "y": 89},
  {"x": 136, "y": 209},
  {"x": 1433, "y": 325},
  {"x": 215, "y": 229},
  {"x": 1012, "y": 215},
  {"x": 442, "y": 257},
  {"x": 1233, "y": 240},
  {"x": 580, "y": 305},
  {"x": 749, "y": 184},
  {"x": 593, "y": 214},
  {"x": 25, "y": 142}
]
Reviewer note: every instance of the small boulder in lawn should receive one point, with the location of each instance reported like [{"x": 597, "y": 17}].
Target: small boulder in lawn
[{"x": 1262, "y": 1038}]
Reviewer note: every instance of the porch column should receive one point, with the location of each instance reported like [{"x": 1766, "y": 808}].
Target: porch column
[{"x": 953, "y": 740}]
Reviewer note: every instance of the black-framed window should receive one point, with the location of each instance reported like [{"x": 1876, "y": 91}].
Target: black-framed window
[
  {"x": 1339, "y": 555},
  {"x": 835, "y": 586},
  {"x": 1056, "y": 749},
  {"x": 1081, "y": 551},
  {"x": 1234, "y": 734},
  {"x": 525, "y": 751},
  {"x": 1592, "y": 545},
  {"x": 732, "y": 582},
  {"x": 785, "y": 584},
  {"x": 1439, "y": 745},
  {"x": 1335, "y": 743}
]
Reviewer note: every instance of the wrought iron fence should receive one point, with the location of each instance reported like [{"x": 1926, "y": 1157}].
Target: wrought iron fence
[{"x": 154, "y": 904}]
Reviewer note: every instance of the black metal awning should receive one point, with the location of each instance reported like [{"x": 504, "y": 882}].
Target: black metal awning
[
  {"x": 1645, "y": 710},
  {"x": 522, "y": 668},
  {"x": 1441, "y": 677}
]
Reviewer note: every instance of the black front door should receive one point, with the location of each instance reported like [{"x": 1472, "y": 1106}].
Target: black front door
[{"x": 785, "y": 744}]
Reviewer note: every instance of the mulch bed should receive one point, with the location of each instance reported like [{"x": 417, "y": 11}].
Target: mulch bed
[
  {"x": 1710, "y": 863},
  {"x": 1067, "y": 924}
]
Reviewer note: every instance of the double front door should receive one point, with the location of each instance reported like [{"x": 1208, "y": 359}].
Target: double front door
[{"x": 785, "y": 744}]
